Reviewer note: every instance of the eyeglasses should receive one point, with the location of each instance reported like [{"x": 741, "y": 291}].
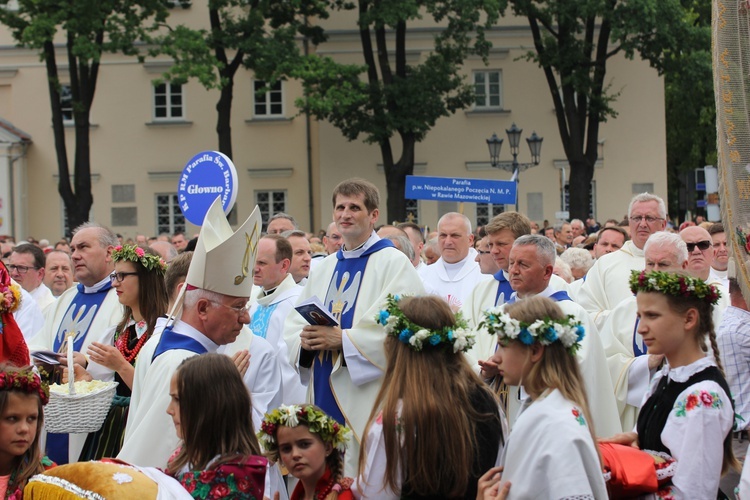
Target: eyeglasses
[
  {"x": 649, "y": 220},
  {"x": 238, "y": 309},
  {"x": 702, "y": 246},
  {"x": 119, "y": 277},
  {"x": 20, "y": 269}
]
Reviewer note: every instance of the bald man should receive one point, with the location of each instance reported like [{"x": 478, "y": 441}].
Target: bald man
[{"x": 455, "y": 274}]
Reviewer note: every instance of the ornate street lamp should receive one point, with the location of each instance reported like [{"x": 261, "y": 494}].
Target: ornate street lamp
[{"x": 514, "y": 139}]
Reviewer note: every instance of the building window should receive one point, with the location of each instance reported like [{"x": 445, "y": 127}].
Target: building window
[
  {"x": 168, "y": 102},
  {"x": 169, "y": 218},
  {"x": 66, "y": 103},
  {"x": 269, "y": 101},
  {"x": 270, "y": 203},
  {"x": 488, "y": 90},
  {"x": 486, "y": 211},
  {"x": 412, "y": 211}
]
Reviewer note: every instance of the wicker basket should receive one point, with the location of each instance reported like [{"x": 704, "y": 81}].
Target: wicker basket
[{"x": 78, "y": 413}]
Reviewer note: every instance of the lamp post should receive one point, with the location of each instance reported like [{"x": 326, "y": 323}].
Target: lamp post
[{"x": 494, "y": 143}]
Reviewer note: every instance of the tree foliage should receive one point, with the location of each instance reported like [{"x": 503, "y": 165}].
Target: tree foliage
[
  {"x": 573, "y": 43},
  {"x": 89, "y": 29},
  {"x": 387, "y": 97},
  {"x": 257, "y": 34},
  {"x": 690, "y": 107}
]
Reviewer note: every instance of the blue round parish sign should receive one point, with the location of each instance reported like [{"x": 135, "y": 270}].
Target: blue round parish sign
[{"x": 206, "y": 176}]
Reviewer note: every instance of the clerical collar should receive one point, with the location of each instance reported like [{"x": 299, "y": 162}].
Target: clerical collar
[
  {"x": 268, "y": 292},
  {"x": 97, "y": 287},
  {"x": 357, "y": 252}
]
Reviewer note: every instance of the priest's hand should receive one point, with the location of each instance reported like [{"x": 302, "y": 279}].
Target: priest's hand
[
  {"x": 321, "y": 338},
  {"x": 107, "y": 355},
  {"x": 488, "y": 486},
  {"x": 241, "y": 360}
]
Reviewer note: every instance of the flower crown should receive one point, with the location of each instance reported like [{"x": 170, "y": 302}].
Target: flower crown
[
  {"x": 568, "y": 331},
  {"x": 25, "y": 381},
  {"x": 317, "y": 421},
  {"x": 678, "y": 285},
  {"x": 398, "y": 325},
  {"x": 135, "y": 253}
]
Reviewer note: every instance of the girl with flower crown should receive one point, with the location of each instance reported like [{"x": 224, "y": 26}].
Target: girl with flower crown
[
  {"x": 551, "y": 452},
  {"x": 139, "y": 280},
  {"x": 435, "y": 426},
  {"x": 22, "y": 396},
  {"x": 687, "y": 411},
  {"x": 311, "y": 446}
]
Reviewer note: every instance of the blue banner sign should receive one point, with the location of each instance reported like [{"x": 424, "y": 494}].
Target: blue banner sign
[
  {"x": 206, "y": 176},
  {"x": 455, "y": 189}
]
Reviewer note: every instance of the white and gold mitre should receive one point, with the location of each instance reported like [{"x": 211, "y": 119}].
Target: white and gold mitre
[{"x": 223, "y": 259}]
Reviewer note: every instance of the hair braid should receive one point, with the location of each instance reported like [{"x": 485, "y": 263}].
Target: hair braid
[{"x": 715, "y": 349}]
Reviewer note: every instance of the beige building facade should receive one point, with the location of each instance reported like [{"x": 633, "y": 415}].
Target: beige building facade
[{"x": 143, "y": 135}]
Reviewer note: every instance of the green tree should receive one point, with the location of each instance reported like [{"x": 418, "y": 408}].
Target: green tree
[
  {"x": 690, "y": 107},
  {"x": 256, "y": 34},
  {"x": 386, "y": 97},
  {"x": 89, "y": 29},
  {"x": 573, "y": 42}
]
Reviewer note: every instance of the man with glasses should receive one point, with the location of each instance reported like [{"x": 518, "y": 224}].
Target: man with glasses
[
  {"x": 700, "y": 259},
  {"x": 210, "y": 313},
  {"x": 333, "y": 239},
  {"x": 86, "y": 312},
  {"x": 26, "y": 266},
  {"x": 607, "y": 281}
]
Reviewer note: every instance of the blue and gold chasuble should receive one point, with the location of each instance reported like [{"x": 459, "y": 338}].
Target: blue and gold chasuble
[{"x": 341, "y": 301}]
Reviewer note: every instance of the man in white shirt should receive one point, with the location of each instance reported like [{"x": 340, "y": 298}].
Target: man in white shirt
[
  {"x": 456, "y": 273},
  {"x": 58, "y": 272},
  {"x": 273, "y": 303},
  {"x": 301, "y": 255},
  {"x": 345, "y": 364},
  {"x": 212, "y": 309},
  {"x": 607, "y": 281},
  {"x": 26, "y": 267},
  {"x": 414, "y": 232},
  {"x": 84, "y": 312},
  {"x": 719, "y": 269},
  {"x": 332, "y": 240},
  {"x": 630, "y": 365},
  {"x": 532, "y": 259}
]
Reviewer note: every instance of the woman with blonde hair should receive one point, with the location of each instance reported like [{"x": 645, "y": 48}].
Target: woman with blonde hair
[
  {"x": 551, "y": 451},
  {"x": 435, "y": 427}
]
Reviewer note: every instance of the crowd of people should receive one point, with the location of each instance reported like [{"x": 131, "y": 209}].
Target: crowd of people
[{"x": 512, "y": 360}]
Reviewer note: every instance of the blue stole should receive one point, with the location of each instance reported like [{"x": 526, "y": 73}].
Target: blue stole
[
  {"x": 341, "y": 300},
  {"x": 171, "y": 340},
  {"x": 503, "y": 287},
  {"x": 639, "y": 348},
  {"x": 78, "y": 318},
  {"x": 558, "y": 296},
  {"x": 261, "y": 318}
]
